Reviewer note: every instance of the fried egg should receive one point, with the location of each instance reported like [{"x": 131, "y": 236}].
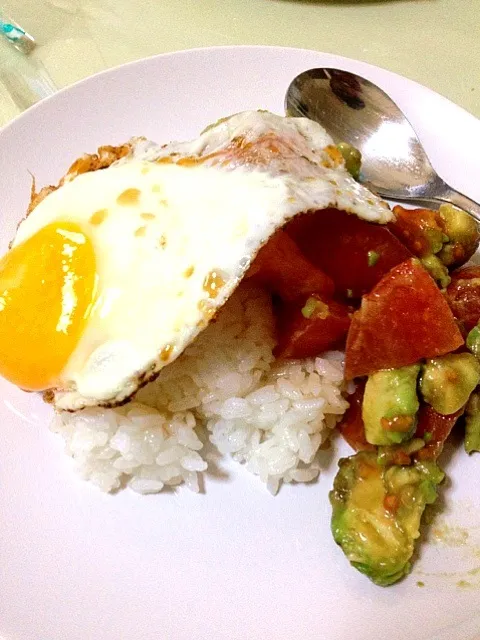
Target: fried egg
[{"x": 116, "y": 271}]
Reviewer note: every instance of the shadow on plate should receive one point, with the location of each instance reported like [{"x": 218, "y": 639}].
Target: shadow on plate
[
  {"x": 215, "y": 470},
  {"x": 327, "y": 457}
]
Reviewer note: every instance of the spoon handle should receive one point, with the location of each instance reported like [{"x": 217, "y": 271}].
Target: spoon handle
[
  {"x": 432, "y": 195},
  {"x": 459, "y": 200},
  {"x": 440, "y": 191}
]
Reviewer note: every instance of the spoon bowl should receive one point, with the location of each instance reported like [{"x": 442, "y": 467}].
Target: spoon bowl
[{"x": 352, "y": 109}]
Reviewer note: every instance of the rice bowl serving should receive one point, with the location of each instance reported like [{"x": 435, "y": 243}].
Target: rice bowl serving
[{"x": 272, "y": 417}]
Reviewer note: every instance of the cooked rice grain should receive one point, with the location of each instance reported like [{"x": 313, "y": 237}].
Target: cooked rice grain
[{"x": 271, "y": 416}]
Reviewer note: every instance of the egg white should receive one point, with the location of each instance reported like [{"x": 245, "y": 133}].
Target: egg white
[{"x": 169, "y": 257}]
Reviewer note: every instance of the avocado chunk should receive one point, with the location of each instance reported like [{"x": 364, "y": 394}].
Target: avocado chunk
[
  {"x": 447, "y": 381},
  {"x": 399, "y": 453},
  {"x": 376, "y": 513},
  {"x": 473, "y": 341},
  {"x": 463, "y": 236},
  {"x": 352, "y": 157},
  {"x": 472, "y": 423},
  {"x": 437, "y": 270},
  {"x": 390, "y": 405}
]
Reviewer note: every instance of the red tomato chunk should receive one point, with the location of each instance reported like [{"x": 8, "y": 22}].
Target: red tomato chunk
[
  {"x": 434, "y": 428},
  {"x": 463, "y": 295},
  {"x": 303, "y": 337},
  {"x": 351, "y": 427},
  {"x": 356, "y": 254},
  {"x": 421, "y": 230},
  {"x": 404, "y": 319},
  {"x": 281, "y": 267}
]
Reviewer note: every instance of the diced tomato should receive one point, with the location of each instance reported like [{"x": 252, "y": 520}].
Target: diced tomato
[
  {"x": 434, "y": 429},
  {"x": 281, "y": 267},
  {"x": 356, "y": 254},
  {"x": 305, "y": 337},
  {"x": 463, "y": 296},
  {"x": 351, "y": 427},
  {"x": 421, "y": 230},
  {"x": 404, "y": 319}
]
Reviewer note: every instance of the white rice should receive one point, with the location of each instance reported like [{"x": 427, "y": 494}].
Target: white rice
[{"x": 271, "y": 416}]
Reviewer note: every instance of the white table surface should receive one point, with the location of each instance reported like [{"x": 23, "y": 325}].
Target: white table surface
[{"x": 436, "y": 42}]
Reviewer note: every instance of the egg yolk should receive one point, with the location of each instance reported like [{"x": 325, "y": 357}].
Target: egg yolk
[{"x": 47, "y": 287}]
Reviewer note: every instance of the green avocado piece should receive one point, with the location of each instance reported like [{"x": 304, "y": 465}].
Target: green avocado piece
[
  {"x": 473, "y": 341},
  {"x": 463, "y": 236},
  {"x": 397, "y": 453},
  {"x": 352, "y": 157},
  {"x": 437, "y": 270},
  {"x": 376, "y": 513},
  {"x": 390, "y": 405},
  {"x": 472, "y": 423},
  {"x": 447, "y": 381}
]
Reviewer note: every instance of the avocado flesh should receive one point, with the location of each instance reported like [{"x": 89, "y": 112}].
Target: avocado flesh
[
  {"x": 390, "y": 405},
  {"x": 473, "y": 341},
  {"x": 447, "y": 381},
  {"x": 377, "y": 512},
  {"x": 352, "y": 158},
  {"x": 437, "y": 270},
  {"x": 472, "y": 423},
  {"x": 463, "y": 233}
]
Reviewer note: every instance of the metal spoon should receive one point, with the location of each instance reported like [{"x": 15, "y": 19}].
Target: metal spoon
[{"x": 354, "y": 110}]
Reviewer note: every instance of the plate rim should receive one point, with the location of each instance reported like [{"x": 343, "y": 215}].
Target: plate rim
[{"x": 180, "y": 52}]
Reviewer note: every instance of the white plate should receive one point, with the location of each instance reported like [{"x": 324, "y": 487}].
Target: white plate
[{"x": 234, "y": 563}]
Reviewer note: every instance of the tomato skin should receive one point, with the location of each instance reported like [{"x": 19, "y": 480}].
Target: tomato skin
[
  {"x": 351, "y": 426},
  {"x": 463, "y": 296},
  {"x": 281, "y": 267},
  {"x": 339, "y": 244},
  {"x": 439, "y": 428},
  {"x": 402, "y": 320},
  {"x": 420, "y": 230},
  {"x": 301, "y": 337}
]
